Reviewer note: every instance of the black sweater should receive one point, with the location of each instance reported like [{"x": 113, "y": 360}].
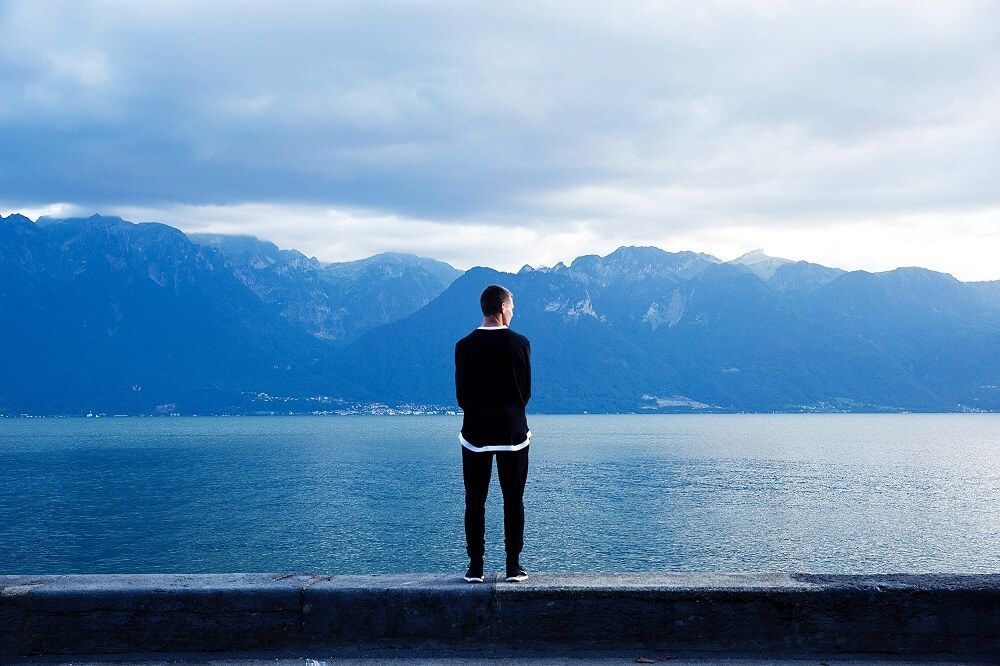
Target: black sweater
[{"x": 493, "y": 385}]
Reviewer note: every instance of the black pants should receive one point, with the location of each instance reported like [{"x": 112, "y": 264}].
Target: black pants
[{"x": 512, "y": 468}]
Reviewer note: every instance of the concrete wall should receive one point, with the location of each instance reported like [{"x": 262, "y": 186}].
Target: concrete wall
[{"x": 786, "y": 613}]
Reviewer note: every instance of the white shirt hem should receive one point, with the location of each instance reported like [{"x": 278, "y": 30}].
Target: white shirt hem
[{"x": 494, "y": 447}]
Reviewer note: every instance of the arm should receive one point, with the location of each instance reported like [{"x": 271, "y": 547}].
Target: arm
[
  {"x": 527, "y": 373},
  {"x": 461, "y": 387},
  {"x": 522, "y": 373}
]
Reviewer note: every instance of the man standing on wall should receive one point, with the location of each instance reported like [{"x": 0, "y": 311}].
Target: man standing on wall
[{"x": 493, "y": 384}]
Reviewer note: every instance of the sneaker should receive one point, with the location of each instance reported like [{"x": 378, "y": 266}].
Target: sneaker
[
  {"x": 515, "y": 573},
  {"x": 475, "y": 572}
]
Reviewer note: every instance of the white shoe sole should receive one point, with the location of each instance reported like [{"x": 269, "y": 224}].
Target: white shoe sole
[
  {"x": 516, "y": 579},
  {"x": 473, "y": 580}
]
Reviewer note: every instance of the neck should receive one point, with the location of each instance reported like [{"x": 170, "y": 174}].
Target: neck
[{"x": 491, "y": 321}]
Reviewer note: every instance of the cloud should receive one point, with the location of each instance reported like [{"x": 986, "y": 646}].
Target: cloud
[
  {"x": 966, "y": 244},
  {"x": 332, "y": 234},
  {"x": 571, "y": 122}
]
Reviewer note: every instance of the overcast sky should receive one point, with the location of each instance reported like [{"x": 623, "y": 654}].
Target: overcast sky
[{"x": 852, "y": 134}]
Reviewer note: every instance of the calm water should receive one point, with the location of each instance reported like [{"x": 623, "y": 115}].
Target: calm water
[{"x": 834, "y": 493}]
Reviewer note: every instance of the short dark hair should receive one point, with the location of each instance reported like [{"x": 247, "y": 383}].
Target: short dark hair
[{"x": 492, "y": 299}]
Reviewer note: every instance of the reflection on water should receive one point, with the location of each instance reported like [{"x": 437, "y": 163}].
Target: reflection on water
[{"x": 359, "y": 494}]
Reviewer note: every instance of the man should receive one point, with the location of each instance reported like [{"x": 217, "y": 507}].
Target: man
[{"x": 493, "y": 384}]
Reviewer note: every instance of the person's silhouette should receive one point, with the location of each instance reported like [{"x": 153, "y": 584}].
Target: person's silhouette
[{"x": 493, "y": 385}]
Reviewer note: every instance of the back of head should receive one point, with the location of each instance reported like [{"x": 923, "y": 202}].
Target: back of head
[{"x": 492, "y": 299}]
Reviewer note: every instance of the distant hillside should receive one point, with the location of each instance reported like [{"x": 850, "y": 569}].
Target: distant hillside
[
  {"x": 646, "y": 330},
  {"x": 100, "y": 314},
  {"x": 103, "y": 315},
  {"x": 337, "y": 301},
  {"x": 578, "y": 361}
]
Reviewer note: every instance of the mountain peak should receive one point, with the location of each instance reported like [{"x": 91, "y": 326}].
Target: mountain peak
[
  {"x": 95, "y": 219},
  {"x": 16, "y": 224},
  {"x": 635, "y": 261},
  {"x": 760, "y": 263},
  {"x": 756, "y": 256},
  {"x": 231, "y": 242},
  {"x": 637, "y": 251},
  {"x": 395, "y": 261},
  {"x": 392, "y": 256}
]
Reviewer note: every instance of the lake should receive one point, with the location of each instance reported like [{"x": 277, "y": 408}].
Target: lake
[{"x": 846, "y": 493}]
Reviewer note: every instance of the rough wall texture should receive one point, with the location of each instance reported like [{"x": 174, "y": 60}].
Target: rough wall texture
[{"x": 788, "y": 613}]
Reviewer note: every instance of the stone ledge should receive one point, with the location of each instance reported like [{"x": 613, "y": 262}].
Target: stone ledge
[{"x": 749, "y": 613}]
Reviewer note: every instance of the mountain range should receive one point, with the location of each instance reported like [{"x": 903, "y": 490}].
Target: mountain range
[{"x": 100, "y": 315}]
